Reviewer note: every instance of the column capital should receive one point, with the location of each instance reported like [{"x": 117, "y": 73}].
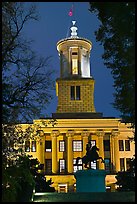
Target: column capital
[
  {"x": 115, "y": 133},
  {"x": 100, "y": 133},
  {"x": 55, "y": 133},
  {"x": 85, "y": 133},
  {"x": 70, "y": 133}
]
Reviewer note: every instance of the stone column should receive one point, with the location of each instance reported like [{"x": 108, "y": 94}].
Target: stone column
[
  {"x": 112, "y": 153},
  {"x": 116, "y": 150},
  {"x": 85, "y": 135},
  {"x": 69, "y": 135},
  {"x": 54, "y": 135},
  {"x": 100, "y": 135},
  {"x": 40, "y": 146}
]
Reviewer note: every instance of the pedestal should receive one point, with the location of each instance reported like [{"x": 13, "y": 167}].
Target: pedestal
[{"x": 90, "y": 180}]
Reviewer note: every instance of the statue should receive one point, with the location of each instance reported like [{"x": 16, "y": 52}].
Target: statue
[{"x": 91, "y": 155}]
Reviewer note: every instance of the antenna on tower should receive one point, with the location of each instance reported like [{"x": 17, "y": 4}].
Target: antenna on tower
[{"x": 70, "y": 13}]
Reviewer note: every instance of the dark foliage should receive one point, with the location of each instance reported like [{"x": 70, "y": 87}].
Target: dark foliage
[
  {"x": 21, "y": 178},
  {"x": 126, "y": 179},
  {"x": 117, "y": 35}
]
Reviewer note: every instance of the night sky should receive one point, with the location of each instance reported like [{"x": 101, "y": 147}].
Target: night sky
[{"x": 53, "y": 26}]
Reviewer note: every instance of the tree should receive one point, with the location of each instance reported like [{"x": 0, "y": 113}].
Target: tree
[
  {"x": 116, "y": 33},
  {"x": 126, "y": 179},
  {"x": 20, "y": 179},
  {"x": 27, "y": 79},
  {"x": 19, "y": 173}
]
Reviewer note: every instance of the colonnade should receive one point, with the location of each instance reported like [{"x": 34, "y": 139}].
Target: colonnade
[{"x": 70, "y": 135}]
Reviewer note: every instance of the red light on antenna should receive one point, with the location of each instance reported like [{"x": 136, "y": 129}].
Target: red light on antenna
[{"x": 70, "y": 12}]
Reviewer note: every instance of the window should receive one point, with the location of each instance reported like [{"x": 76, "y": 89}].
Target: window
[
  {"x": 107, "y": 164},
  {"x": 77, "y": 146},
  {"x": 121, "y": 145},
  {"x": 48, "y": 146},
  {"x": 79, "y": 166},
  {"x": 122, "y": 166},
  {"x": 93, "y": 165},
  {"x": 106, "y": 145},
  {"x": 74, "y": 53},
  {"x": 128, "y": 163},
  {"x": 127, "y": 145},
  {"x": 62, "y": 165},
  {"x": 75, "y": 92},
  {"x": 48, "y": 166},
  {"x": 72, "y": 92},
  {"x": 75, "y": 66},
  {"x": 33, "y": 146},
  {"x": 93, "y": 143},
  {"x": 74, "y": 63},
  {"x": 62, "y": 146},
  {"x": 62, "y": 188},
  {"x": 27, "y": 146}
]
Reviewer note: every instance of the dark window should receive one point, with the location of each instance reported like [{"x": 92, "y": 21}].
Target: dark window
[
  {"x": 121, "y": 145},
  {"x": 33, "y": 146},
  {"x": 72, "y": 93},
  {"x": 74, "y": 53},
  {"x": 75, "y": 92},
  {"x": 62, "y": 165},
  {"x": 48, "y": 166},
  {"x": 122, "y": 166},
  {"x": 27, "y": 146},
  {"x": 48, "y": 146},
  {"x": 77, "y": 145},
  {"x": 107, "y": 164},
  {"x": 61, "y": 145},
  {"x": 106, "y": 145},
  {"x": 127, "y": 145},
  {"x": 128, "y": 163}
]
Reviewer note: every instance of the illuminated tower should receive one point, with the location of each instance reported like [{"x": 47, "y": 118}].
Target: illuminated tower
[{"x": 75, "y": 87}]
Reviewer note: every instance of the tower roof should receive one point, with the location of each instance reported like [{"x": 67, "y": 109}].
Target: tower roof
[{"x": 74, "y": 35}]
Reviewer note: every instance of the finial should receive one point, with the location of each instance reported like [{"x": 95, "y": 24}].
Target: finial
[
  {"x": 74, "y": 30},
  {"x": 73, "y": 22}
]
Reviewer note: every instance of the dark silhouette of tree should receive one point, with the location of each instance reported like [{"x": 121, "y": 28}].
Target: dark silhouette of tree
[
  {"x": 117, "y": 35},
  {"x": 20, "y": 179},
  {"x": 27, "y": 78},
  {"x": 126, "y": 179}
]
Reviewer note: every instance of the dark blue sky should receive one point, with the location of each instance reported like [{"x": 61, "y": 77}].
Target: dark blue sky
[{"x": 52, "y": 27}]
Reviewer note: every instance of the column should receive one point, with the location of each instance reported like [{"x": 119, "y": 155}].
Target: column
[
  {"x": 100, "y": 135},
  {"x": 116, "y": 151},
  {"x": 69, "y": 135},
  {"x": 112, "y": 159},
  {"x": 40, "y": 146},
  {"x": 54, "y": 136},
  {"x": 85, "y": 135}
]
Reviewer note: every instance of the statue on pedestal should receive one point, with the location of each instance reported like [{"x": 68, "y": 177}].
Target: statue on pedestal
[{"x": 91, "y": 156}]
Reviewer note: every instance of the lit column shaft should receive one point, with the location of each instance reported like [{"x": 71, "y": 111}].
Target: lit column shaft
[
  {"x": 40, "y": 151},
  {"x": 54, "y": 152},
  {"x": 101, "y": 148},
  {"x": 69, "y": 152},
  {"x": 40, "y": 147},
  {"x": 85, "y": 135},
  {"x": 116, "y": 151}
]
